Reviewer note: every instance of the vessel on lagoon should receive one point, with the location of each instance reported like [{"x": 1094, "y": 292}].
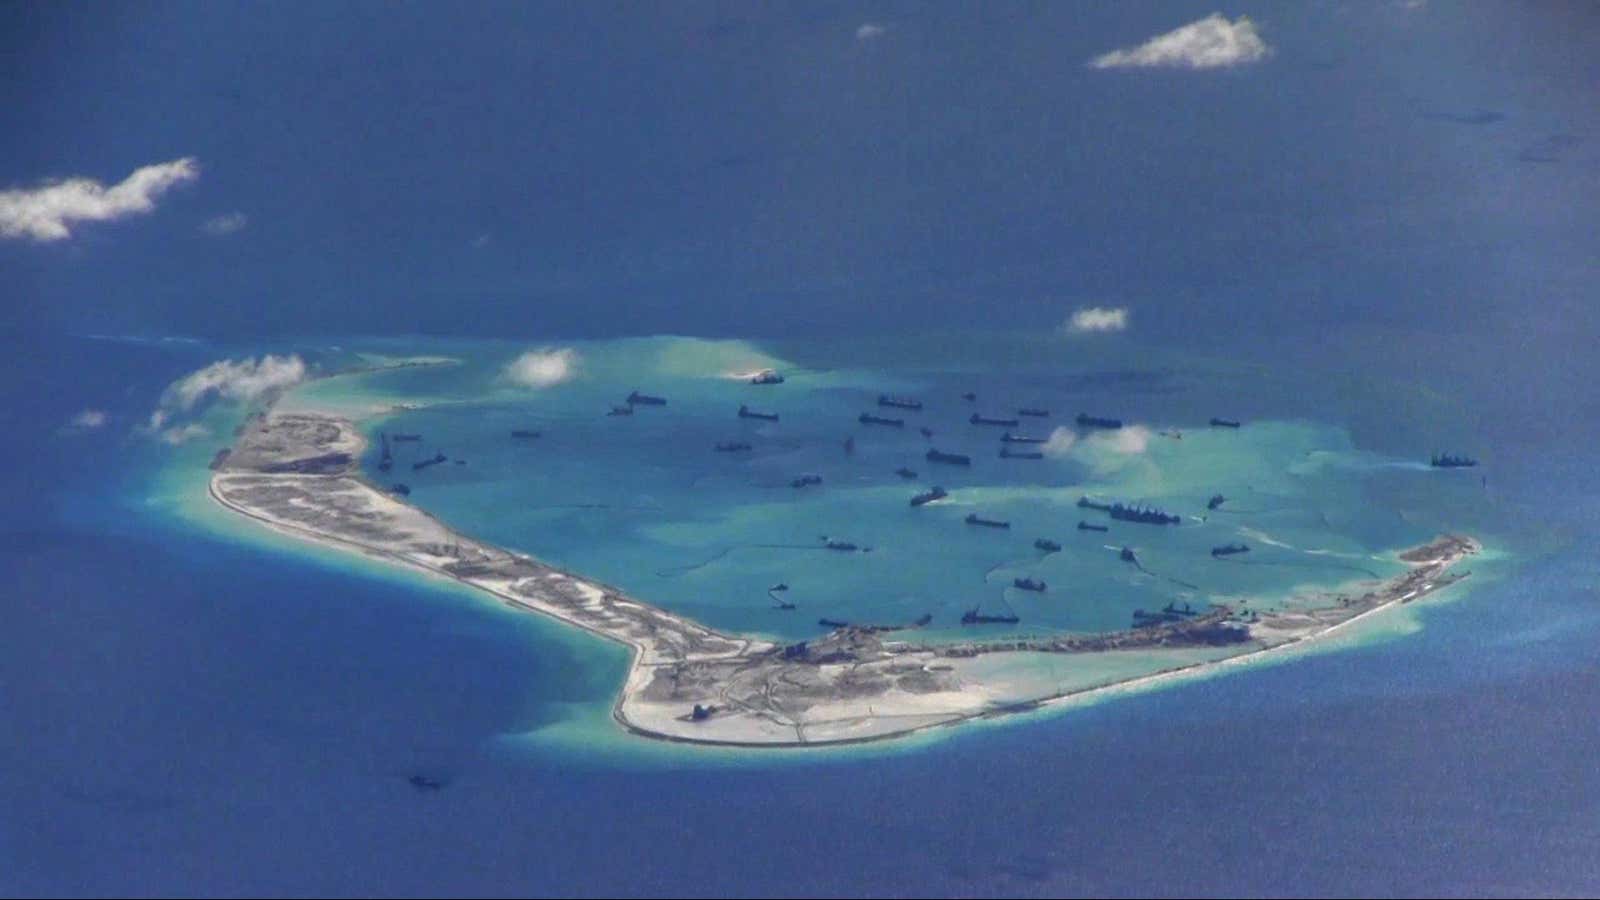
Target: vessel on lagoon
[{"x": 1087, "y": 421}]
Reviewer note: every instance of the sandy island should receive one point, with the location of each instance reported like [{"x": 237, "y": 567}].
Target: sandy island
[{"x": 298, "y": 473}]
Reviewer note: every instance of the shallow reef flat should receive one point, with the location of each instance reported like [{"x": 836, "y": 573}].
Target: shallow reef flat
[{"x": 296, "y": 472}]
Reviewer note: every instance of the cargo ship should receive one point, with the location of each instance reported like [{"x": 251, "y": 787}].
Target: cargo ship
[
  {"x": 1224, "y": 423},
  {"x": 975, "y": 519},
  {"x": 767, "y": 376},
  {"x": 1008, "y": 453},
  {"x": 1229, "y": 550},
  {"x": 1047, "y": 545},
  {"x": 1087, "y": 421},
  {"x": 525, "y": 434},
  {"x": 1144, "y": 515},
  {"x": 746, "y": 412},
  {"x": 899, "y": 402},
  {"x": 974, "y": 617},
  {"x": 638, "y": 399},
  {"x": 930, "y": 495},
  {"x": 1448, "y": 461},
  {"x": 1169, "y": 613},
  {"x": 1028, "y": 584},
  {"x": 949, "y": 459},
  {"x": 842, "y": 546},
  {"x": 976, "y": 419},
  {"x": 437, "y": 459},
  {"x": 1089, "y": 526},
  {"x": 1035, "y": 412},
  {"x": 870, "y": 419}
]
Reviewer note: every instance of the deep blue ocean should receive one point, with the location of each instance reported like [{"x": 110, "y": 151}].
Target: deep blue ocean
[
  {"x": 1384, "y": 234},
  {"x": 192, "y": 711}
]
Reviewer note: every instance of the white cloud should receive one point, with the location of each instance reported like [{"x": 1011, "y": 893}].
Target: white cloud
[
  {"x": 1095, "y": 319},
  {"x": 88, "y": 419},
  {"x": 1211, "y": 43},
  {"x": 1061, "y": 442},
  {"x": 227, "y": 380},
  {"x": 1128, "y": 440},
  {"x": 43, "y": 213},
  {"x": 182, "y": 434},
  {"x": 234, "y": 381},
  {"x": 871, "y": 31},
  {"x": 543, "y": 367},
  {"x": 227, "y": 223}
]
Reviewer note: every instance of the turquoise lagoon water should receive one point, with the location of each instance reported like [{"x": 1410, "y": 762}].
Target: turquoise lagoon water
[{"x": 643, "y": 502}]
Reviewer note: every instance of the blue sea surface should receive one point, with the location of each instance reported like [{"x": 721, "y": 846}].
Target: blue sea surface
[
  {"x": 1376, "y": 243},
  {"x": 200, "y": 709}
]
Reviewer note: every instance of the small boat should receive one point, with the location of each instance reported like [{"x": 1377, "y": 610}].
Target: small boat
[
  {"x": 1229, "y": 550},
  {"x": 969, "y": 396},
  {"x": 832, "y": 623},
  {"x": 842, "y": 546},
  {"x": 767, "y": 376},
  {"x": 1036, "y": 413},
  {"x": 899, "y": 402},
  {"x": 906, "y": 473},
  {"x": 1009, "y": 438},
  {"x": 620, "y": 411},
  {"x": 1448, "y": 461},
  {"x": 926, "y": 431},
  {"x": 1126, "y": 555},
  {"x": 732, "y": 447},
  {"x": 746, "y": 412},
  {"x": 976, "y": 419},
  {"x": 975, "y": 519},
  {"x": 928, "y": 496},
  {"x": 424, "y": 783},
  {"x": 806, "y": 481},
  {"x": 870, "y": 419},
  {"x": 1090, "y": 526},
  {"x": 1029, "y": 584},
  {"x": 1223, "y": 423},
  {"x": 400, "y": 488},
  {"x": 524, "y": 434},
  {"x": 1216, "y": 501},
  {"x": 638, "y": 399},
  {"x": 1047, "y": 545}
]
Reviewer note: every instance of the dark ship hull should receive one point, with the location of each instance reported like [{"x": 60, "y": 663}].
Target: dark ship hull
[
  {"x": 949, "y": 459},
  {"x": 1088, "y": 421}
]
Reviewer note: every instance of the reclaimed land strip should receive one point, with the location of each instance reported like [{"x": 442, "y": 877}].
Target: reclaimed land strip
[{"x": 297, "y": 472}]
